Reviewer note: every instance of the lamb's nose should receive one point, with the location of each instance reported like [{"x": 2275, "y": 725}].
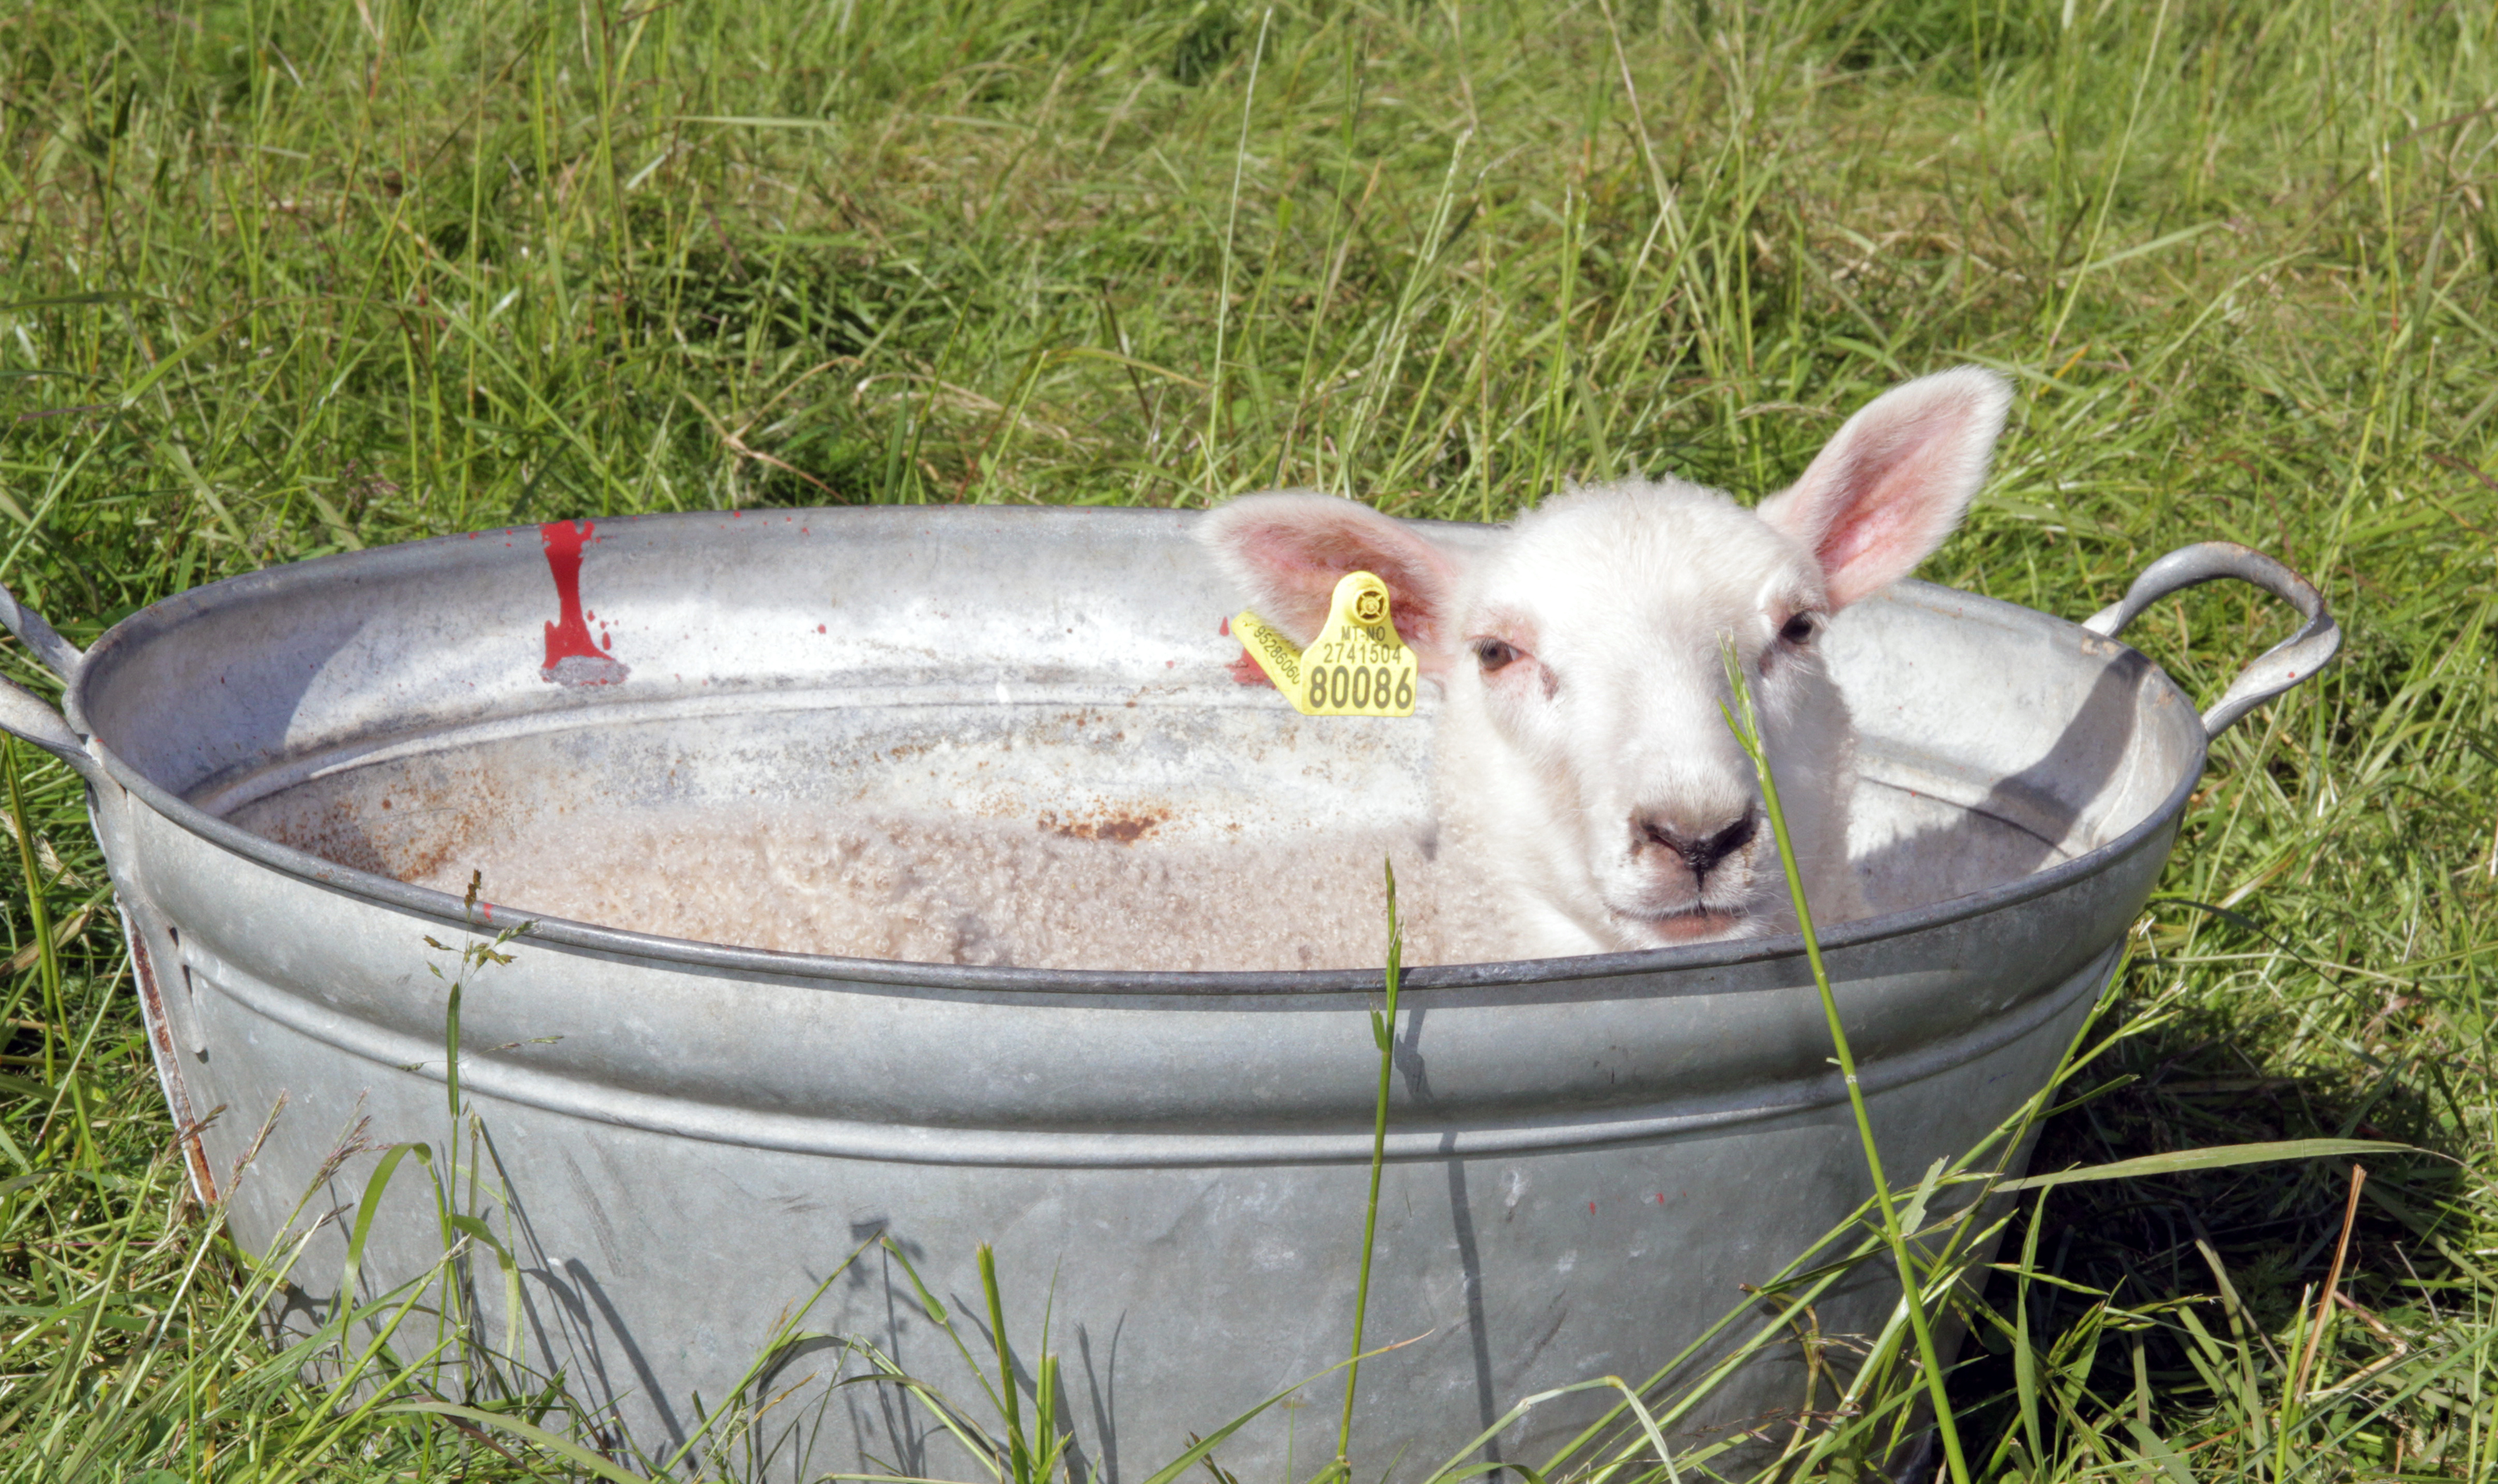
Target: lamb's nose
[{"x": 1700, "y": 851}]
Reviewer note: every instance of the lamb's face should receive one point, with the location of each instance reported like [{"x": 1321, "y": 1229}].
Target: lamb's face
[
  {"x": 1584, "y": 760},
  {"x": 1587, "y": 695}
]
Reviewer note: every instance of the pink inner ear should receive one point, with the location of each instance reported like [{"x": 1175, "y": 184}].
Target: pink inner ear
[
  {"x": 1294, "y": 575},
  {"x": 1894, "y": 482},
  {"x": 1882, "y": 534},
  {"x": 1300, "y": 561}
]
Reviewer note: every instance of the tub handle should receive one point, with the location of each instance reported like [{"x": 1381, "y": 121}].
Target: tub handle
[
  {"x": 23, "y": 714},
  {"x": 2273, "y": 671},
  {"x": 43, "y": 638}
]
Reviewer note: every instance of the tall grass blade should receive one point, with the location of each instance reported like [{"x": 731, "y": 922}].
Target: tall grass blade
[{"x": 1745, "y": 723}]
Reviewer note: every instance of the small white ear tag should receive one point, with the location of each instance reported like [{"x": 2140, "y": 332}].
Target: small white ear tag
[{"x": 1359, "y": 666}]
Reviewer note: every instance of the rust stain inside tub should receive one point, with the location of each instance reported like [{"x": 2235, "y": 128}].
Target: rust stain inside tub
[{"x": 1119, "y": 828}]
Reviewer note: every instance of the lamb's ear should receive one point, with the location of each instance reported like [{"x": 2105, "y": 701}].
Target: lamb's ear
[
  {"x": 1884, "y": 494},
  {"x": 1287, "y": 553}
]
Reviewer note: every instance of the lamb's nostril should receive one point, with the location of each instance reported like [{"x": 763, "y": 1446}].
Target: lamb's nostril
[
  {"x": 1726, "y": 842},
  {"x": 1700, "y": 853}
]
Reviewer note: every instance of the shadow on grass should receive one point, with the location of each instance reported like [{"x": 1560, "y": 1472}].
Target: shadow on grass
[{"x": 2269, "y": 1232}]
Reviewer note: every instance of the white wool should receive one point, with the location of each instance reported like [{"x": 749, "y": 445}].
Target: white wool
[{"x": 933, "y": 888}]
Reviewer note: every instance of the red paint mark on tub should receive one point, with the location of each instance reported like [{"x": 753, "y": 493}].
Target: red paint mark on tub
[
  {"x": 1224, "y": 628},
  {"x": 1592, "y": 1207},
  {"x": 572, "y": 657},
  {"x": 819, "y": 628}
]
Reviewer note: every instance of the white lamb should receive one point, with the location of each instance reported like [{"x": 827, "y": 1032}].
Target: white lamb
[{"x": 1586, "y": 775}]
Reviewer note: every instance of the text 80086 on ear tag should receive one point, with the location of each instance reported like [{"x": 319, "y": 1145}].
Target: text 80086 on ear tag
[{"x": 1357, "y": 666}]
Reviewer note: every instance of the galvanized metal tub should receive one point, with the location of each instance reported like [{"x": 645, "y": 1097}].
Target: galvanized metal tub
[{"x": 1585, "y": 1156}]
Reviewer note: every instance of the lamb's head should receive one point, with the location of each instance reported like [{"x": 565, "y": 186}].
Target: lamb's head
[{"x": 1584, "y": 760}]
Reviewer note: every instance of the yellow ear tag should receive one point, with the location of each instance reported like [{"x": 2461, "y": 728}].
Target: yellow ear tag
[{"x": 1357, "y": 667}]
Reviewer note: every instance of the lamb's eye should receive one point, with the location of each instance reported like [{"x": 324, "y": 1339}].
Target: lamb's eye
[
  {"x": 1492, "y": 654},
  {"x": 1799, "y": 628}
]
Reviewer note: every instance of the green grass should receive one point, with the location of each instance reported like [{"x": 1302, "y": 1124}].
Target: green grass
[{"x": 281, "y": 279}]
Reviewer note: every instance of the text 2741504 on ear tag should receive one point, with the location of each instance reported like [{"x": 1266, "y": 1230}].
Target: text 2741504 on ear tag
[{"x": 1358, "y": 666}]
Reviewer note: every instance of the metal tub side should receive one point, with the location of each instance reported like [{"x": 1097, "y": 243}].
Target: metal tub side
[{"x": 1196, "y": 1256}]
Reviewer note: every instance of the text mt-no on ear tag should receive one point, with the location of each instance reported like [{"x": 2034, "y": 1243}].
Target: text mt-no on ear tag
[{"x": 1357, "y": 666}]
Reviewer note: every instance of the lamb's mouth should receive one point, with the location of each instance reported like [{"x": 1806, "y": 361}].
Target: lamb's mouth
[{"x": 1689, "y": 925}]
